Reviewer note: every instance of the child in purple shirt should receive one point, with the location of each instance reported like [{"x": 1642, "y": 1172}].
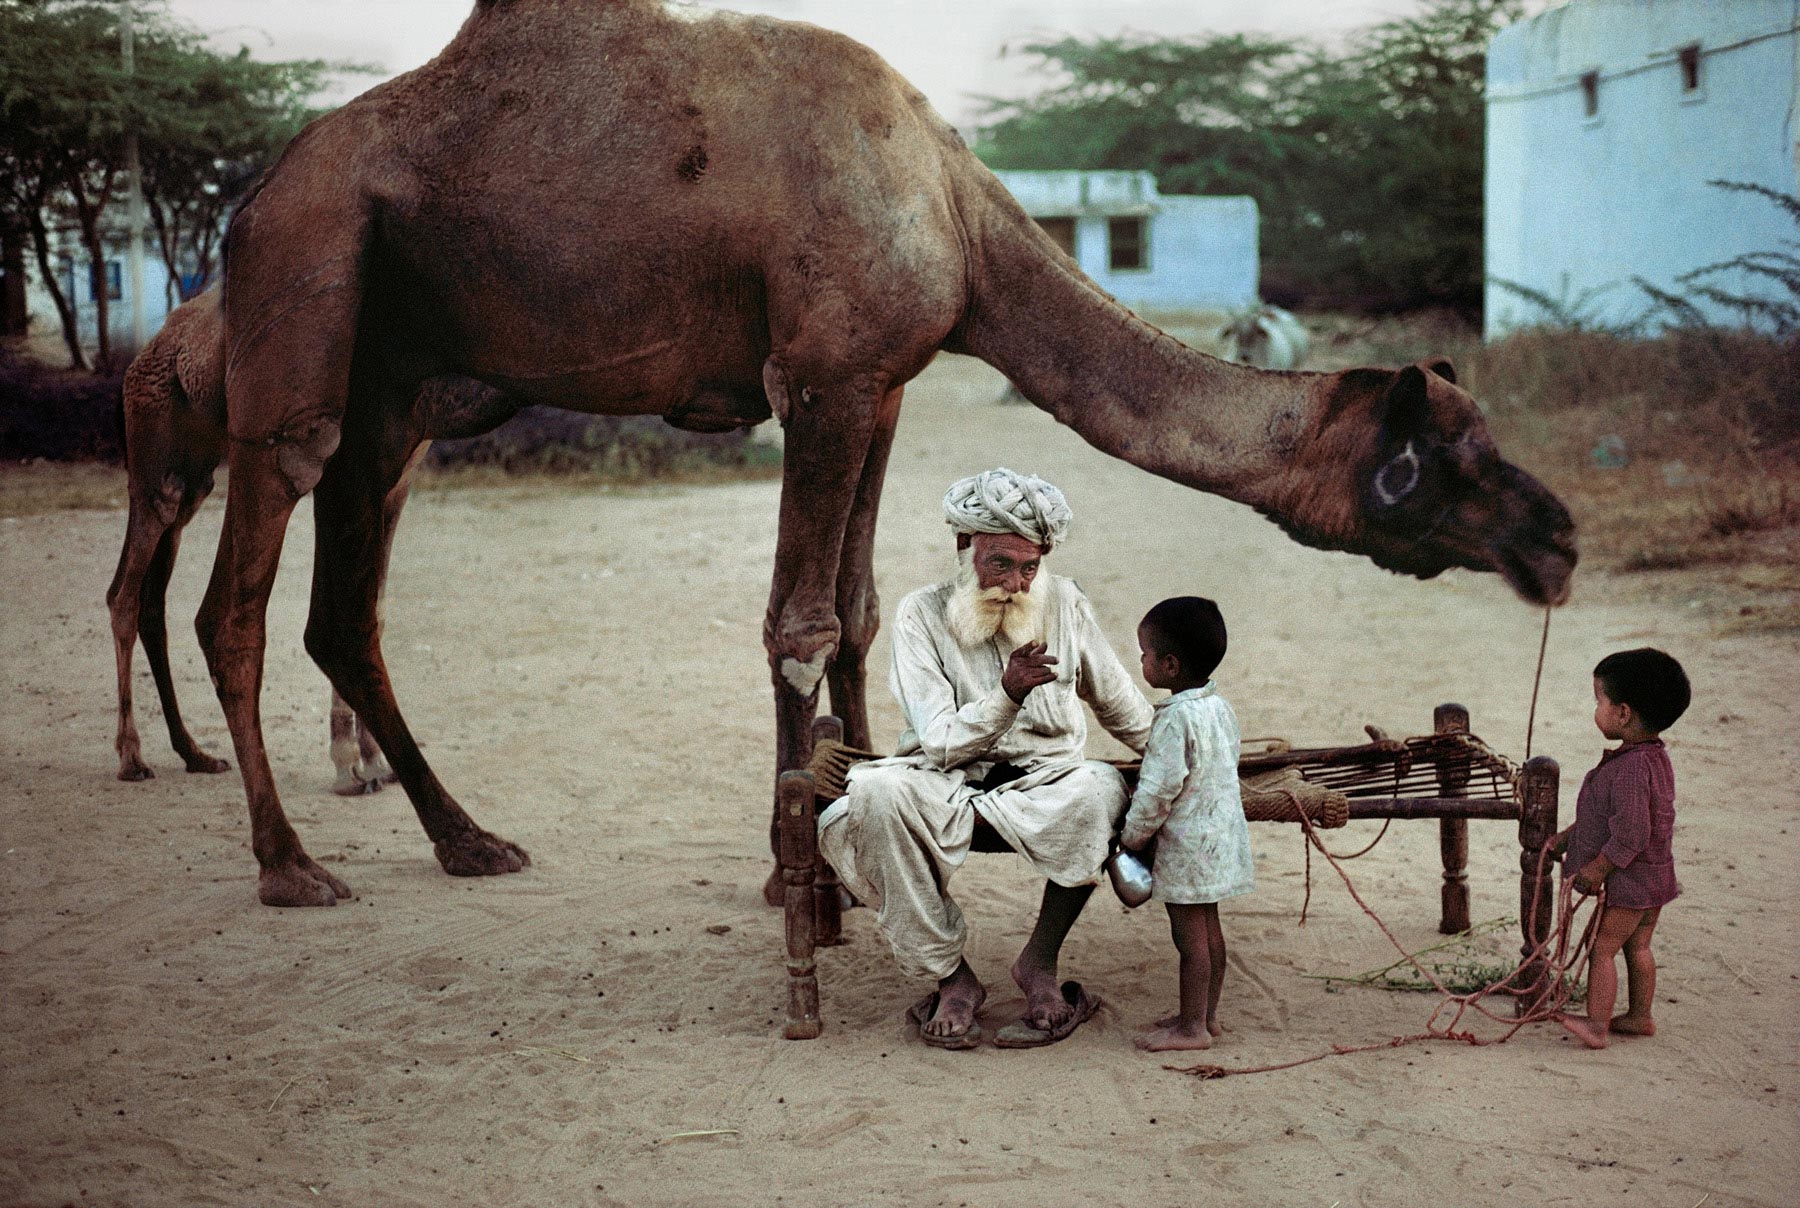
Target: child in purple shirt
[{"x": 1622, "y": 839}]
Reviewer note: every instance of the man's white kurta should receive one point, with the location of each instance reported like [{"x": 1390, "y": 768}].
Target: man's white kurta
[
  {"x": 905, "y": 825},
  {"x": 1188, "y": 798}
]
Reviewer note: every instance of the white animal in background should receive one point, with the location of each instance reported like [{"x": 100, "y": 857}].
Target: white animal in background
[{"x": 1265, "y": 336}]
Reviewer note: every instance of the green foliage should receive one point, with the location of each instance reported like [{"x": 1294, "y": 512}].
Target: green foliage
[
  {"x": 205, "y": 123},
  {"x": 1366, "y": 164}
]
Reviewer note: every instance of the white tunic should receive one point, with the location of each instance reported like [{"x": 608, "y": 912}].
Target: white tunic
[
  {"x": 1188, "y": 796},
  {"x": 905, "y": 825}
]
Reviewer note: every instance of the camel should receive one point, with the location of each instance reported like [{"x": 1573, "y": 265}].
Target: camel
[
  {"x": 174, "y": 440},
  {"x": 622, "y": 207}
]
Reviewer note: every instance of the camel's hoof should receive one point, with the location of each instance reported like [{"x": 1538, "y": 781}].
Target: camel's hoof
[
  {"x": 199, "y": 761},
  {"x": 479, "y": 854},
  {"x": 775, "y": 889},
  {"x": 349, "y": 784},
  {"x": 377, "y": 774},
  {"x": 301, "y": 884},
  {"x": 137, "y": 769}
]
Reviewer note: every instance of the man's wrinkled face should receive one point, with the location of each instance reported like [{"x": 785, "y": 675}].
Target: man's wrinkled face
[{"x": 1006, "y": 561}]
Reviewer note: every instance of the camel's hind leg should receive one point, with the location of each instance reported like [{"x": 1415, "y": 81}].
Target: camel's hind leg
[
  {"x": 136, "y": 601},
  {"x": 355, "y": 508},
  {"x": 267, "y": 479},
  {"x": 361, "y": 767},
  {"x": 153, "y": 629},
  {"x": 144, "y": 531}
]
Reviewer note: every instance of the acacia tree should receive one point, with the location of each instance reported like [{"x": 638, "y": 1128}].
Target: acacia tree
[
  {"x": 206, "y": 123},
  {"x": 210, "y": 124},
  {"x": 1366, "y": 163}
]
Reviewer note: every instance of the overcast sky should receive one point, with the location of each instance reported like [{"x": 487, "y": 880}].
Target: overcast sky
[{"x": 950, "y": 49}]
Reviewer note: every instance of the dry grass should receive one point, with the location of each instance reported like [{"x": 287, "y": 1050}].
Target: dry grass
[{"x": 32, "y": 488}]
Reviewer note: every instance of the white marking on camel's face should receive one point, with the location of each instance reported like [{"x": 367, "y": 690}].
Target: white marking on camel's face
[{"x": 804, "y": 678}]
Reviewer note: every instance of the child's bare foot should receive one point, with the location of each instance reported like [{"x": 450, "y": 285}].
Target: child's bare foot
[
  {"x": 1213, "y": 1026},
  {"x": 1584, "y": 1029},
  {"x": 1633, "y": 1025},
  {"x": 1175, "y": 1036}
]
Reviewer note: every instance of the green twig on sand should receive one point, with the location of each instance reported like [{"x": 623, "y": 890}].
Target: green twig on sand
[{"x": 1467, "y": 972}]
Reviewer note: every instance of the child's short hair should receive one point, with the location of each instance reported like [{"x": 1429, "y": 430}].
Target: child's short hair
[
  {"x": 1192, "y": 629},
  {"x": 1651, "y": 682}
]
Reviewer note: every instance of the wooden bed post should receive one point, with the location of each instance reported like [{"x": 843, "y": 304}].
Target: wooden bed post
[
  {"x": 828, "y": 913},
  {"x": 799, "y": 854},
  {"x": 1537, "y": 891},
  {"x": 1453, "y": 833}
]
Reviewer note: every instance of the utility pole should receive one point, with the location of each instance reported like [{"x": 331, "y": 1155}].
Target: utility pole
[{"x": 134, "y": 201}]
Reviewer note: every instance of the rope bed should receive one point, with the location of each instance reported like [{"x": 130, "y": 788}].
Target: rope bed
[{"x": 1450, "y": 775}]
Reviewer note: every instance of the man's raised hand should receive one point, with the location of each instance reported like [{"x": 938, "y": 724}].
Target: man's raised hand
[{"x": 1028, "y": 667}]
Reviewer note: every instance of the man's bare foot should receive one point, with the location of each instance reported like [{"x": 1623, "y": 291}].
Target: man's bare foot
[
  {"x": 1174, "y": 1037},
  {"x": 1584, "y": 1029},
  {"x": 1632, "y": 1025},
  {"x": 959, "y": 998},
  {"x": 1213, "y": 1026},
  {"x": 1045, "y": 1007}
]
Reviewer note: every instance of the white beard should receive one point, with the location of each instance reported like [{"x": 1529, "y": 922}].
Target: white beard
[{"x": 976, "y": 614}]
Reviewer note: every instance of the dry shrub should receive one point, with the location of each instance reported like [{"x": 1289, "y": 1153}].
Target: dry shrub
[
  {"x": 623, "y": 449},
  {"x": 1708, "y": 420}
]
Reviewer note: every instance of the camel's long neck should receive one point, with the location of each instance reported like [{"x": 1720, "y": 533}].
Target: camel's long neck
[{"x": 1126, "y": 387}]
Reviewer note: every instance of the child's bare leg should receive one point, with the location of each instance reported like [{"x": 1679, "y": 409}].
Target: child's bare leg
[
  {"x": 1187, "y": 924},
  {"x": 1640, "y": 971},
  {"x": 1616, "y": 925},
  {"x": 1215, "y": 950}
]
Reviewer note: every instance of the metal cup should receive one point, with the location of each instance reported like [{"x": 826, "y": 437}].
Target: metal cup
[{"x": 1130, "y": 878}]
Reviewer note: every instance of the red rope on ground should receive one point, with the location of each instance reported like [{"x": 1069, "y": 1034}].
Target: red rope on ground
[{"x": 1554, "y": 956}]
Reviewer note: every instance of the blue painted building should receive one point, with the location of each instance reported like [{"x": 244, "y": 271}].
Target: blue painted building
[
  {"x": 1605, "y": 121},
  {"x": 1151, "y": 251}
]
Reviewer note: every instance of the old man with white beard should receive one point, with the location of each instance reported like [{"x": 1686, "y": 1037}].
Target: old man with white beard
[{"x": 990, "y": 670}]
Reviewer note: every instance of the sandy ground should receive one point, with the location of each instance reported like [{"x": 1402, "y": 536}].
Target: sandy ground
[{"x": 586, "y": 673}]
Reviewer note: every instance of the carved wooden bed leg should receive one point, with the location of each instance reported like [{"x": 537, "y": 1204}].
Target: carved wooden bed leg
[
  {"x": 828, "y": 914},
  {"x": 1537, "y": 891},
  {"x": 799, "y": 853},
  {"x": 1453, "y": 833}
]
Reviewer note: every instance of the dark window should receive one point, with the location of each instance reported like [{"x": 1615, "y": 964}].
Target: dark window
[
  {"x": 1689, "y": 57},
  {"x": 1062, "y": 230},
  {"x": 1590, "y": 94},
  {"x": 1126, "y": 245}
]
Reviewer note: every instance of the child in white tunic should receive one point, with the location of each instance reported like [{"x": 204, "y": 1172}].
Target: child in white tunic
[{"x": 1187, "y": 802}]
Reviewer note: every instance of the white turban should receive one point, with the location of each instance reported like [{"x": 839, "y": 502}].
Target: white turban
[{"x": 1000, "y": 501}]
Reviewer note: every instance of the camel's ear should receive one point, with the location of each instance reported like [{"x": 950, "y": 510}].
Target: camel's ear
[
  {"x": 1408, "y": 401},
  {"x": 1443, "y": 368}
]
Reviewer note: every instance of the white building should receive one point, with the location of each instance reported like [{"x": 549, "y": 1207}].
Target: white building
[
  {"x": 1149, "y": 250},
  {"x": 1605, "y": 121},
  {"x": 75, "y": 279}
]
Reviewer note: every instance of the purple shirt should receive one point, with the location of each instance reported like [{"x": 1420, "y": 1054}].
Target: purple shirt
[{"x": 1626, "y": 812}]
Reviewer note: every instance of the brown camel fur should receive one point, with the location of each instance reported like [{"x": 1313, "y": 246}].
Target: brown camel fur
[
  {"x": 626, "y": 208},
  {"x": 174, "y": 440}
]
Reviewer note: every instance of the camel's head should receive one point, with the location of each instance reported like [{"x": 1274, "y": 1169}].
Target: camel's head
[{"x": 1403, "y": 470}]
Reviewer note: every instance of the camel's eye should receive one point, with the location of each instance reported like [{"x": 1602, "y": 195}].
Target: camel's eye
[{"x": 1399, "y": 478}]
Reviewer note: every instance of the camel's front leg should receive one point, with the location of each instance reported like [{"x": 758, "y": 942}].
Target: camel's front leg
[
  {"x": 858, "y": 606},
  {"x": 833, "y": 423}
]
